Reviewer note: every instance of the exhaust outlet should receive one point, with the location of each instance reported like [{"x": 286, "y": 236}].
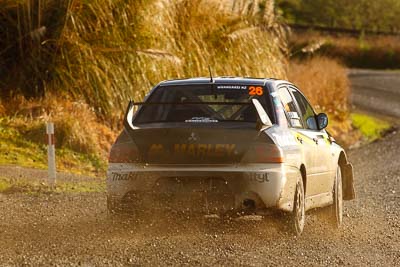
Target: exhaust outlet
[{"x": 249, "y": 204}]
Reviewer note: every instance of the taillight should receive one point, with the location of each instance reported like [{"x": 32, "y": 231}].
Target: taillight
[
  {"x": 263, "y": 153},
  {"x": 123, "y": 153}
]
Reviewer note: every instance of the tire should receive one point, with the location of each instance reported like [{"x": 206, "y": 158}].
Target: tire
[
  {"x": 336, "y": 211},
  {"x": 298, "y": 214}
]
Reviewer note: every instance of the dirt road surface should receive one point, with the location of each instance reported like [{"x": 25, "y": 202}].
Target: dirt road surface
[
  {"x": 376, "y": 91},
  {"x": 74, "y": 229}
]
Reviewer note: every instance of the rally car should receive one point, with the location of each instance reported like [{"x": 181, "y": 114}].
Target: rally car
[{"x": 228, "y": 145}]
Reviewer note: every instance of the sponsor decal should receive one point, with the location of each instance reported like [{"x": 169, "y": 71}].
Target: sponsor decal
[
  {"x": 258, "y": 177},
  {"x": 196, "y": 150},
  {"x": 299, "y": 136},
  {"x": 203, "y": 150},
  {"x": 284, "y": 139},
  {"x": 156, "y": 149},
  {"x": 234, "y": 87},
  {"x": 124, "y": 176},
  {"x": 293, "y": 115},
  {"x": 201, "y": 120},
  {"x": 253, "y": 90}
]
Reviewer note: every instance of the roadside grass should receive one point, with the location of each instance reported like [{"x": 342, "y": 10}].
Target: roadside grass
[
  {"x": 77, "y": 127},
  {"x": 371, "y": 128},
  {"x": 4, "y": 185},
  {"x": 10, "y": 186},
  {"x": 17, "y": 149}
]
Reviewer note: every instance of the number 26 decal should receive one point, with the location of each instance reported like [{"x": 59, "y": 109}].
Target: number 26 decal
[{"x": 256, "y": 90}]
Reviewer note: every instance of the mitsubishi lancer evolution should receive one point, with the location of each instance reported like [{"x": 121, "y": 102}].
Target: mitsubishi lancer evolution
[{"x": 228, "y": 145}]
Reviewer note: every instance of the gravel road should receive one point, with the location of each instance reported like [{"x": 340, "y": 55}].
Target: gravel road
[
  {"x": 73, "y": 229},
  {"x": 376, "y": 91}
]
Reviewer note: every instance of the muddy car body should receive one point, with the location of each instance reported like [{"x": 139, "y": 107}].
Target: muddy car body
[{"x": 228, "y": 145}]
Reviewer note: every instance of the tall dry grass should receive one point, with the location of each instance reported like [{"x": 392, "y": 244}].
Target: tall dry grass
[
  {"x": 325, "y": 83},
  {"x": 29, "y": 34},
  {"x": 105, "y": 52},
  {"x": 2, "y": 109},
  {"x": 77, "y": 125}
]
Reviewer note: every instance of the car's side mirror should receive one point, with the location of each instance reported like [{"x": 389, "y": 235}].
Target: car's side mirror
[
  {"x": 312, "y": 123},
  {"x": 322, "y": 120}
]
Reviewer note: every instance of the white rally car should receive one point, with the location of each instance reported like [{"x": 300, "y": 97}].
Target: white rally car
[{"x": 228, "y": 146}]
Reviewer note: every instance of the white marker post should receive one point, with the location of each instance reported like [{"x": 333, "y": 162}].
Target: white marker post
[{"x": 51, "y": 154}]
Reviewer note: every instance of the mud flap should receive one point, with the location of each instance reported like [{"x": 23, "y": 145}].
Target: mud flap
[{"x": 348, "y": 182}]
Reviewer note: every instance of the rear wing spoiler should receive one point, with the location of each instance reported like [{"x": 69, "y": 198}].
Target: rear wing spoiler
[{"x": 262, "y": 114}]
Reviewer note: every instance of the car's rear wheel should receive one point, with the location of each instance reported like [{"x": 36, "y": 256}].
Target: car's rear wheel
[
  {"x": 299, "y": 214},
  {"x": 336, "y": 211}
]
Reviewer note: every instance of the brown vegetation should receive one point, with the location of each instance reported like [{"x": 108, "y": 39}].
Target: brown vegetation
[
  {"x": 2, "y": 109},
  {"x": 325, "y": 83},
  {"x": 374, "y": 52},
  {"x": 106, "y": 52},
  {"x": 77, "y": 126}
]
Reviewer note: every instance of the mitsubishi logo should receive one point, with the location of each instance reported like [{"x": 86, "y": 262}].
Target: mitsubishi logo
[{"x": 193, "y": 137}]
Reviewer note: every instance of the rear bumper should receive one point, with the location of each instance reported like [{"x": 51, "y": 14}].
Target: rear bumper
[{"x": 267, "y": 185}]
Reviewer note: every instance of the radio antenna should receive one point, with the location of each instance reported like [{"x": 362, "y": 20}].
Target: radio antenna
[
  {"x": 212, "y": 83},
  {"x": 211, "y": 77}
]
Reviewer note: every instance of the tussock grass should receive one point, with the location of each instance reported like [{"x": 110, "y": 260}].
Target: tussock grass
[
  {"x": 325, "y": 83},
  {"x": 77, "y": 126},
  {"x": 106, "y": 52}
]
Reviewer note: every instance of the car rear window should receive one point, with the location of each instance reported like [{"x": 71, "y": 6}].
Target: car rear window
[{"x": 202, "y": 103}]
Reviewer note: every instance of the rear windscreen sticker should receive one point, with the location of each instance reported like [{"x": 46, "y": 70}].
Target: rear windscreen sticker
[
  {"x": 201, "y": 120},
  {"x": 253, "y": 90},
  {"x": 234, "y": 87}
]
